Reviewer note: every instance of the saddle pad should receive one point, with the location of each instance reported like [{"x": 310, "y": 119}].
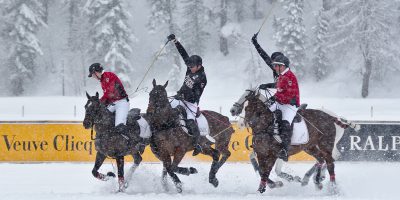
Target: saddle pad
[
  {"x": 145, "y": 131},
  {"x": 203, "y": 125},
  {"x": 300, "y": 133}
]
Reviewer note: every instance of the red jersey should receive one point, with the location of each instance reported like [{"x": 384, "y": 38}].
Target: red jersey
[
  {"x": 112, "y": 88},
  {"x": 287, "y": 89}
]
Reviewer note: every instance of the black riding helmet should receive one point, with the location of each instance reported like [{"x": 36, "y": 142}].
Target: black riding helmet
[
  {"x": 95, "y": 67},
  {"x": 281, "y": 59},
  {"x": 275, "y": 54},
  {"x": 194, "y": 60}
]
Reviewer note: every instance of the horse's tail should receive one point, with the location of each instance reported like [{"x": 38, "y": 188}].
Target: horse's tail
[
  {"x": 341, "y": 125},
  {"x": 344, "y": 124}
]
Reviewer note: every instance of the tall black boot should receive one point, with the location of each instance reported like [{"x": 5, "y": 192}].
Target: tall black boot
[
  {"x": 122, "y": 130},
  {"x": 194, "y": 130},
  {"x": 286, "y": 135}
]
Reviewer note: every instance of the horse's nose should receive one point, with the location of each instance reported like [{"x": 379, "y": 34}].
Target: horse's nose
[
  {"x": 233, "y": 111},
  {"x": 86, "y": 124}
]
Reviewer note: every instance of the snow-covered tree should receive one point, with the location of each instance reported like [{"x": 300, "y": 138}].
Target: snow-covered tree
[
  {"x": 195, "y": 17},
  {"x": 77, "y": 43},
  {"x": 320, "y": 62},
  {"x": 162, "y": 17},
  {"x": 223, "y": 15},
  {"x": 23, "y": 19},
  {"x": 290, "y": 35},
  {"x": 364, "y": 27},
  {"x": 111, "y": 37}
]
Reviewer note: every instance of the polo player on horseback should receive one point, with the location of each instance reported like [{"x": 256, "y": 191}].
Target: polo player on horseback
[
  {"x": 114, "y": 96},
  {"x": 190, "y": 92},
  {"x": 286, "y": 102}
]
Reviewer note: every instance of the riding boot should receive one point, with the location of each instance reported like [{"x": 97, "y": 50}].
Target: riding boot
[
  {"x": 194, "y": 130},
  {"x": 142, "y": 144},
  {"x": 286, "y": 135},
  {"x": 122, "y": 129}
]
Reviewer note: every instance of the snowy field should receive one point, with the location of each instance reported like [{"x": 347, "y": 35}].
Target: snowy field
[
  {"x": 56, "y": 181},
  {"x": 72, "y": 108}
]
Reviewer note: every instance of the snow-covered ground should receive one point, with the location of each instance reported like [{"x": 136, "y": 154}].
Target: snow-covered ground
[
  {"x": 56, "y": 181},
  {"x": 72, "y": 108}
]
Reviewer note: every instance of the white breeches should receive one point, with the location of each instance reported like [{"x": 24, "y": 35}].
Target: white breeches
[
  {"x": 191, "y": 108},
  {"x": 288, "y": 111},
  {"x": 121, "y": 109}
]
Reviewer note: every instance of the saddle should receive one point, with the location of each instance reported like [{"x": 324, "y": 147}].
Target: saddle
[
  {"x": 133, "y": 116},
  {"x": 298, "y": 118}
]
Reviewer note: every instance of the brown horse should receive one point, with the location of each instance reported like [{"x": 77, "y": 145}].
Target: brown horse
[
  {"x": 169, "y": 138},
  {"x": 321, "y": 128},
  {"x": 111, "y": 144}
]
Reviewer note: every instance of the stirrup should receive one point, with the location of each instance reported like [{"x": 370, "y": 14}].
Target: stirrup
[{"x": 277, "y": 138}]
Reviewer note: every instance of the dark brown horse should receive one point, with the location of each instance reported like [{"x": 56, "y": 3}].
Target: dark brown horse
[
  {"x": 169, "y": 138},
  {"x": 110, "y": 144},
  {"x": 321, "y": 128}
]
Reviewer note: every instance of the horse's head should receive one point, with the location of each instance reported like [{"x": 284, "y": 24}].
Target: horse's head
[
  {"x": 92, "y": 109},
  {"x": 257, "y": 115},
  {"x": 158, "y": 97}
]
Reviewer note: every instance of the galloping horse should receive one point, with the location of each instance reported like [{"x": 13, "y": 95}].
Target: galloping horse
[
  {"x": 111, "y": 144},
  {"x": 169, "y": 138},
  {"x": 321, "y": 129}
]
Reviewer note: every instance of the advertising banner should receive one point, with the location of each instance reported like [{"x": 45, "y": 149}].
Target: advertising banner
[{"x": 63, "y": 141}]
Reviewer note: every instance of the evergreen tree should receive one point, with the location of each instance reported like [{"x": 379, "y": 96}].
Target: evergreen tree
[
  {"x": 223, "y": 14},
  {"x": 162, "y": 14},
  {"x": 111, "y": 37},
  {"x": 77, "y": 44},
  {"x": 290, "y": 35},
  {"x": 364, "y": 27},
  {"x": 23, "y": 19},
  {"x": 195, "y": 22},
  {"x": 320, "y": 63}
]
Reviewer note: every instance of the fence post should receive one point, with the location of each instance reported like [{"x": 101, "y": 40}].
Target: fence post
[
  {"x": 23, "y": 111},
  {"x": 220, "y": 110},
  {"x": 74, "y": 110},
  {"x": 372, "y": 111}
]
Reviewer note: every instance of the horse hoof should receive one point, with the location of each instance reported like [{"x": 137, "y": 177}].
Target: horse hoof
[
  {"x": 178, "y": 187},
  {"x": 214, "y": 182},
  {"x": 193, "y": 170},
  {"x": 276, "y": 184},
  {"x": 111, "y": 174},
  {"x": 297, "y": 179},
  {"x": 279, "y": 184},
  {"x": 319, "y": 186}
]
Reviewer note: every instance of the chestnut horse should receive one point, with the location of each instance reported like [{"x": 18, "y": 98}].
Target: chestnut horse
[{"x": 321, "y": 129}]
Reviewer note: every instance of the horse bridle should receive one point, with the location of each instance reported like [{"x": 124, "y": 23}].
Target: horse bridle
[{"x": 93, "y": 121}]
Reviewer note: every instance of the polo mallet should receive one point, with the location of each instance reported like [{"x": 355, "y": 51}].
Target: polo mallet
[
  {"x": 266, "y": 17},
  {"x": 151, "y": 65}
]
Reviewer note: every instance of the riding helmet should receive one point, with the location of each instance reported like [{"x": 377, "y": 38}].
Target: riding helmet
[
  {"x": 194, "y": 60},
  {"x": 281, "y": 59},
  {"x": 95, "y": 67}
]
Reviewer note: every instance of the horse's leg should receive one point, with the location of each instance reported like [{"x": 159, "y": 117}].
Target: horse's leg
[
  {"x": 224, "y": 151},
  {"x": 286, "y": 176},
  {"x": 164, "y": 180},
  {"x": 317, "y": 154},
  {"x": 214, "y": 165},
  {"x": 97, "y": 164},
  {"x": 121, "y": 180},
  {"x": 137, "y": 159},
  {"x": 179, "y": 154},
  {"x": 166, "y": 159},
  {"x": 266, "y": 163}
]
